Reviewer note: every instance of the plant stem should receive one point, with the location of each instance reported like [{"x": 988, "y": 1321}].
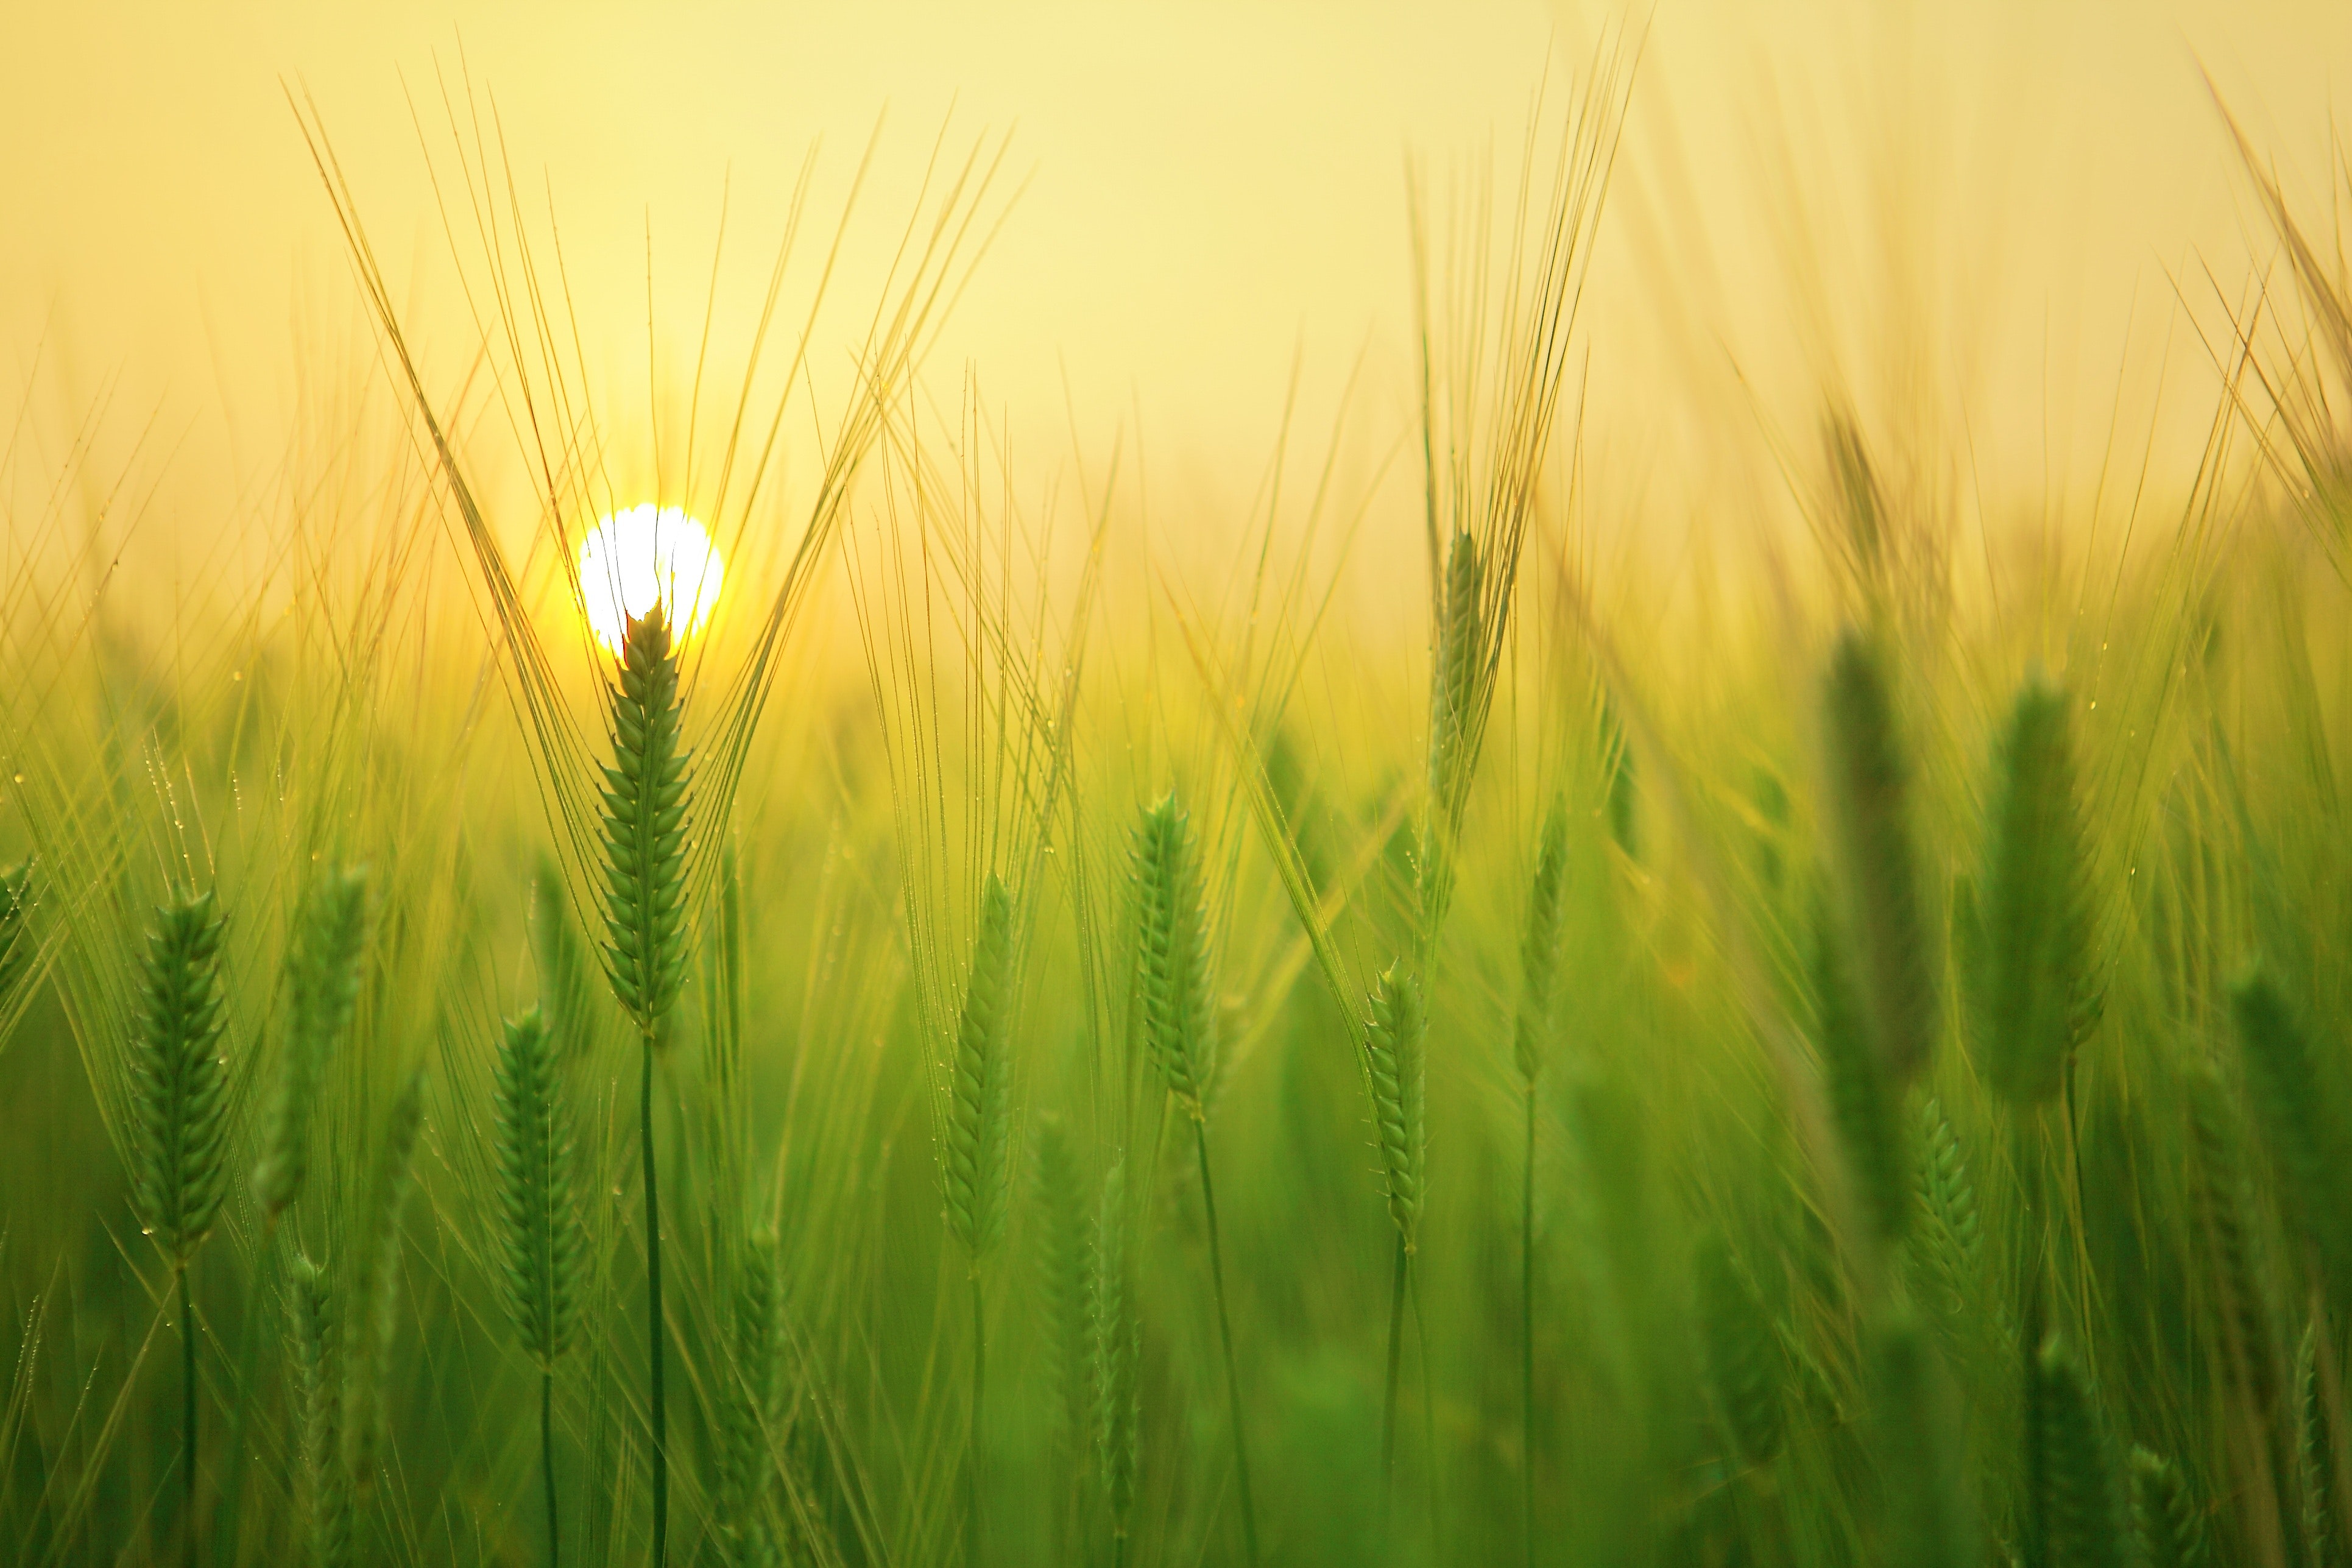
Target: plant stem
[
  {"x": 654, "y": 1308},
  {"x": 1428, "y": 1406},
  {"x": 231, "y": 1488},
  {"x": 1528, "y": 1332},
  {"x": 547, "y": 1454},
  {"x": 974, "y": 1555},
  {"x": 188, "y": 1411},
  {"x": 1225, "y": 1328},
  {"x": 1388, "y": 1401}
]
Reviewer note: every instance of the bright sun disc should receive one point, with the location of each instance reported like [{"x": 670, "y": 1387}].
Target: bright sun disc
[{"x": 648, "y": 553}]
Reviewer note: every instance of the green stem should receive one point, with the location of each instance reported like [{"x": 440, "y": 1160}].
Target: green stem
[
  {"x": 232, "y": 1486},
  {"x": 974, "y": 1555},
  {"x": 1428, "y": 1404},
  {"x": 1527, "y": 1333},
  {"x": 653, "y": 1309},
  {"x": 1389, "y": 1400},
  {"x": 547, "y": 1454},
  {"x": 1225, "y": 1329},
  {"x": 188, "y": 1409}
]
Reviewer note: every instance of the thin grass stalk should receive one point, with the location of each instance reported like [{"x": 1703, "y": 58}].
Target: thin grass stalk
[
  {"x": 1538, "y": 965},
  {"x": 1225, "y": 1334}
]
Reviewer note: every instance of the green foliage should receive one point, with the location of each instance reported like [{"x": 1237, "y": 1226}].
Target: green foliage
[
  {"x": 2080, "y": 1493},
  {"x": 322, "y": 991},
  {"x": 1172, "y": 952},
  {"x": 646, "y": 805},
  {"x": 540, "y": 1235},
  {"x": 2040, "y": 997},
  {"x": 179, "y": 1084},
  {"x": 1743, "y": 1353},
  {"x": 1396, "y": 1057}
]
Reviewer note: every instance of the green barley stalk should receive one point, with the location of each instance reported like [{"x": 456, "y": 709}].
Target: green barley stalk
[
  {"x": 1179, "y": 1025},
  {"x": 1538, "y": 968},
  {"x": 748, "y": 1411},
  {"x": 2315, "y": 1454},
  {"x": 2081, "y": 1502},
  {"x": 1742, "y": 1350},
  {"x": 1870, "y": 822},
  {"x": 977, "y": 1166},
  {"x": 2283, "y": 1085},
  {"x": 376, "y": 1315},
  {"x": 2041, "y": 998},
  {"x": 540, "y": 1227},
  {"x": 1930, "y": 1521},
  {"x": 646, "y": 829},
  {"x": 322, "y": 989},
  {"x": 1396, "y": 1064},
  {"x": 1117, "y": 1345},
  {"x": 179, "y": 1097},
  {"x": 325, "y": 1493},
  {"x": 2165, "y": 1514}
]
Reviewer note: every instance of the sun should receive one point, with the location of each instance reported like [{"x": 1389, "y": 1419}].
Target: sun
[{"x": 643, "y": 555}]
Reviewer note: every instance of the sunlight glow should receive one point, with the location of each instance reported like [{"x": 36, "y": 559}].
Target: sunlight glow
[{"x": 643, "y": 555}]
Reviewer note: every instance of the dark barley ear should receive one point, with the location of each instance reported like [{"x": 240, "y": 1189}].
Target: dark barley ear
[
  {"x": 1862, "y": 1103},
  {"x": 1743, "y": 1369},
  {"x": 2298, "y": 1120},
  {"x": 2040, "y": 995},
  {"x": 17, "y": 944},
  {"x": 1539, "y": 941},
  {"x": 322, "y": 989},
  {"x": 1870, "y": 821},
  {"x": 2223, "y": 1198},
  {"x": 2083, "y": 1509},
  {"x": 749, "y": 1409},
  {"x": 325, "y": 1492},
  {"x": 1395, "y": 1041},
  {"x": 367, "y": 1348},
  {"x": 2315, "y": 1454},
  {"x": 2171, "y": 1534},
  {"x": 646, "y": 821},
  {"x": 1061, "y": 1231},
  {"x": 539, "y": 1218},
  {"x": 1117, "y": 1347},
  {"x": 980, "y": 1105},
  {"x": 1930, "y": 1520},
  {"x": 1947, "y": 1246},
  {"x": 1172, "y": 951},
  {"x": 179, "y": 1083}
]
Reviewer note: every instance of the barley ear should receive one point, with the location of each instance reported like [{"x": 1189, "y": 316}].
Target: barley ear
[
  {"x": 1117, "y": 1350},
  {"x": 1172, "y": 952},
  {"x": 322, "y": 989},
  {"x": 1742, "y": 1353},
  {"x": 1396, "y": 1057},
  {"x": 376, "y": 1314},
  {"x": 2283, "y": 1085},
  {"x": 645, "y": 822},
  {"x": 2041, "y": 998},
  {"x": 2082, "y": 1501},
  {"x": 2315, "y": 1454},
  {"x": 325, "y": 1494},
  {"x": 1454, "y": 672},
  {"x": 1539, "y": 942},
  {"x": 1062, "y": 1242},
  {"x": 1862, "y": 1103},
  {"x": 979, "y": 1107},
  {"x": 748, "y": 1412},
  {"x": 538, "y": 1220},
  {"x": 2222, "y": 1191},
  {"x": 179, "y": 1083},
  {"x": 2170, "y": 1533},
  {"x": 1870, "y": 822}
]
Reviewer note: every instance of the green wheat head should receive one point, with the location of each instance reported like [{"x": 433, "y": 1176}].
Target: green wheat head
[
  {"x": 1950, "y": 1240},
  {"x": 1862, "y": 1104},
  {"x": 2282, "y": 1086},
  {"x": 367, "y": 1348},
  {"x": 1118, "y": 1346},
  {"x": 2223, "y": 1199},
  {"x": 1870, "y": 819},
  {"x": 322, "y": 991},
  {"x": 2039, "y": 994},
  {"x": 1062, "y": 1239},
  {"x": 1180, "y": 1018},
  {"x": 1453, "y": 718},
  {"x": 2082, "y": 1508},
  {"x": 179, "y": 1082},
  {"x": 1395, "y": 1053},
  {"x": 2171, "y": 1534},
  {"x": 1742, "y": 1351},
  {"x": 325, "y": 1495},
  {"x": 748, "y": 1412},
  {"x": 2315, "y": 1454},
  {"x": 1539, "y": 942},
  {"x": 538, "y": 1220},
  {"x": 980, "y": 1103},
  {"x": 645, "y": 822}
]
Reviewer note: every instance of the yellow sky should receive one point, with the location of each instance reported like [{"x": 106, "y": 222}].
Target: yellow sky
[{"x": 1978, "y": 212}]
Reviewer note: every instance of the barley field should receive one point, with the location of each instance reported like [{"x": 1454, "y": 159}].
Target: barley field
[{"x": 798, "y": 986}]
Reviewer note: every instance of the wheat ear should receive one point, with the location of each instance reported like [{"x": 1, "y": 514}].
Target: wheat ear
[
  {"x": 748, "y": 1411},
  {"x": 2283, "y": 1088},
  {"x": 1454, "y": 676},
  {"x": 322, "y": 990},
  {"x": 1061, "y": 1239},
  {"x": 1861, "y": 1102},
  {"x": 2082, "y": 1503},
  {"x": 1538, "y": 968},
  {"x": 1742, "y": 1350},
  {"x": 179, "y": 1100},
  {"x": 646, "y": 831},
  {"x": 326, "y": 1494},
  {"x": 367, "y": 1348},
  {"x": 977, "y": 1165},
  {"x": 1117, "y": 1350},
  {"x": 2171, "y": 1535}
]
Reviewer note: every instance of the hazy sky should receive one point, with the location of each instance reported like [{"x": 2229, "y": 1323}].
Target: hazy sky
[{"x": 1979, "y": 212}]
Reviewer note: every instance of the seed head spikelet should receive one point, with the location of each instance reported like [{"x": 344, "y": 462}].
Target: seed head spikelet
[
  {"x": 2315, "y": 1454},
  {"x": 1744, "y": 1368},
  {"x": 2293, "y": 1112},
  {"x": 1061, "y": 1229},
  {"x": 1930, "y": 1519},
  {"x": 1397, "y": 1062},
  {"x": 325, "y": 1494},
  {"x": 2217, "y": 1175},
  {"x": 1870, "y": 821},
  {"x": 1117, "y": 1350},
  {"x": 367, "y": 1348},
  {"x": 979, "y": 1107},
  {"x": 1539, "y": 942},
  {"x": 2040, "y": 995},
  {"x": 2170, "y": 1531},
  {"x": 647, "y": 803},
  {"x": 748, "y": 1411},
  {"x": 179, "y": 1083},
  {"x": 1172, "y": 951},
  {"x": 1861, "y": 1105},
  {"x": 539, "y": 1227},
  {"x": 1456, "y": 668},
  {"x": 322, "y": 989},
  {"x": 2082, "y": 1497}
]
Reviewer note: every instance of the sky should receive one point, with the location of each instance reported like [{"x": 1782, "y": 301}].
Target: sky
[{"x": 2003, "y": 222}]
